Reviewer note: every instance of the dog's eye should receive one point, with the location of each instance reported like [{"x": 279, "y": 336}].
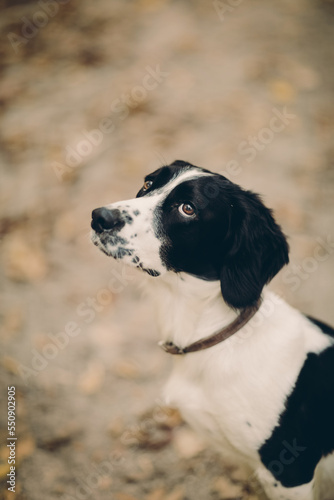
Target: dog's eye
[
  {"x": 187, "y": 210},
  {"x": 147, "y": 185}
]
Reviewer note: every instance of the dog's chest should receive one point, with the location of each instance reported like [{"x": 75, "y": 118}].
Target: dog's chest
[
  {"x": 224, "y": 410},
  {"x": 233, "y": 393}
]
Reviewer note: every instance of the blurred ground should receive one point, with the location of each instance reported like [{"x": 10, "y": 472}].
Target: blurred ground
[{"x": 93, "y": 96}]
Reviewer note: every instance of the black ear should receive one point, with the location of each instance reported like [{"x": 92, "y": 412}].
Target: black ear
[{"x": 254, "y": 251}]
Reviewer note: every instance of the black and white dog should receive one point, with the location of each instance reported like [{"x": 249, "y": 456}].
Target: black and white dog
[{"x": 265, "y": 395}]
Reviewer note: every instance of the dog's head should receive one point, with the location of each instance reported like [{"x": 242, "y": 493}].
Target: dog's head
[{"x": 187, "y": 219}]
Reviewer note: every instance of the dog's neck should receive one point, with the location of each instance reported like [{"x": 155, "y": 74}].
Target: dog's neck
[{"x": 188, "y": 308}]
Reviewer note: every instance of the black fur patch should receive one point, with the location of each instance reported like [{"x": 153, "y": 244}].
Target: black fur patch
[
  {"x": 305, "y": 432},
  {"x": 121, "y": 252},
  {"x": 112, "y": 238},
  {"x": 151, "y": 272},
  {"x": 233, "y": 237},
  {"x": 126, "y": 217}
]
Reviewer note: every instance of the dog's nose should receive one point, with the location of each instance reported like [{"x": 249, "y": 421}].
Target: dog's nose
[{"x": 105, "y": 218}]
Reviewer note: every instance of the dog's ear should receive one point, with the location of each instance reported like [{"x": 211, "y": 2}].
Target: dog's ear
[{"x": 255, "y": 249}]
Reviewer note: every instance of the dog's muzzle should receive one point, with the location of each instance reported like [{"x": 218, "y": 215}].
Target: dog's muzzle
[{"x": 105, "y": 219}]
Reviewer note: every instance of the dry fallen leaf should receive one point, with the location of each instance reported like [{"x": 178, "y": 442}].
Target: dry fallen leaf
[
  {"x": 8, "y": 495},
  {"x": 124, "y": 496},
  {"x": 178, "y": 493},
  {"x": 164, "y": 416},
  {"x": 146, "y": 436},
  {"x": 126, "y": 368},
  {"x": 10, "y": 365},
  {"x": 24, "y": 261},
  {"x": 92, "y": 379},
  {"x": 239, "y": 474},
  {"x": 105, "y": 483},
  {"x": 25, "y": 447},
  {"x": 282, "y": 91},
  {"x": 157, "y": 494},
  {"x": 58, "y": 436},
  {"x": 144, "y": 469},
  {"x": 293, "y": 214},
  {"x": 116, "y": 427},
  {"x": 4, "y": 469},
  {"x": 12, "y": 322},
  {"x": 187, "y": 443},
  {"x": 226, "y": 489}
]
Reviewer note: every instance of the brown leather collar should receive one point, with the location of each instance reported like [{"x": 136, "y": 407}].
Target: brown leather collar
[{"x": 240, "y": 321}]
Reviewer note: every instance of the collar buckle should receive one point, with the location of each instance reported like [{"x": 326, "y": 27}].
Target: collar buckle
[{"x": 171, "y": 348}]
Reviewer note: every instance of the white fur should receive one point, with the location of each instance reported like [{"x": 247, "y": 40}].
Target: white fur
[
  {"x": 220, "y": 389},
  {"x": 232, "y": 393}
]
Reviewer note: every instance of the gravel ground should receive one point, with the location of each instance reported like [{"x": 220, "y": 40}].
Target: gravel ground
[{"x": 93, "y": 96}]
